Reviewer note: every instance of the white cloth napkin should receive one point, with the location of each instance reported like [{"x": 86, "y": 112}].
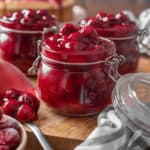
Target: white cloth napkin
[{"x": 111, "y": 134}]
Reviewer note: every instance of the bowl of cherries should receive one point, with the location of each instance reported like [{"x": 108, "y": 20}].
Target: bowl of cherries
[{"x": 12, "y": 133}]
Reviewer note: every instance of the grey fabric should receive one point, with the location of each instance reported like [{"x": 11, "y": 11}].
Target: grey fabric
[{"x": 111, "y": 134}]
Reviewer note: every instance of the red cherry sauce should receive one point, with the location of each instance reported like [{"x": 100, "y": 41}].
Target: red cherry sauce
[
  {"x": 119, "y": 28},
  {"x": 72, "y": 78}
]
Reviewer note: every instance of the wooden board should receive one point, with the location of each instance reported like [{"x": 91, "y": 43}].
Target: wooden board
[
  {"x": 144, "y": 64},
  {"x": 64, "y": 133}
]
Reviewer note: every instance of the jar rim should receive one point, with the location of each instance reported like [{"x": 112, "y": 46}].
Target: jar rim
[
  {"x": 77, "y": 64},
  {"x": 111, "y": 49},
  {"x": 5, "y": 29},
  {"x": 123, "y": 36}
]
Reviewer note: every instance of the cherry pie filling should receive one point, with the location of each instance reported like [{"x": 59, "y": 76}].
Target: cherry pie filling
[
  {"x": 119, "y": 28},
  {"x": 73, "y": 78},
  {"x": 21, "y": 105},
  {"x": 20, "y": 32}
]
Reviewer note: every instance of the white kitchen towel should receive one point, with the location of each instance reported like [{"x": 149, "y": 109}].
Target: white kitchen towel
[{"x": 111, "y": 134}]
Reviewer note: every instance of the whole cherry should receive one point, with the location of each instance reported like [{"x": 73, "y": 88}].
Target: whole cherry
[
  {"x": 94, "y": 22},
  {"x": 12, "y": 94},
  {"x": 68, "y": 29},
  {"x": 89, "y": 33},
  {"x": 11, "y": 107},
  {"x": 9, "y": 137},
  {"x": 26, "y": 114},
  {"x": 30, "y": 100}
]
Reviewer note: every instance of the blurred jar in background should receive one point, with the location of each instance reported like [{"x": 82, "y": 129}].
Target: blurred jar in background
[
  {"x": 120, "y": 29},
  {"x": 19, "y": 34},
  {"x": 61, "y": 8}
]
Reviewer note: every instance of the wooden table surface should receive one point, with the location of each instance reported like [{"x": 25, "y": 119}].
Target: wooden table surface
[{"x": 64, "y": 133}]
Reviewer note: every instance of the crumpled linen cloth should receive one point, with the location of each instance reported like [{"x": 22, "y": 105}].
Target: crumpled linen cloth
[{"x": 112, "y": 134}]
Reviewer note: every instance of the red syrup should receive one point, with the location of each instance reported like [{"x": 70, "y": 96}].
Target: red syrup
[{"x": 69, "y": 79}]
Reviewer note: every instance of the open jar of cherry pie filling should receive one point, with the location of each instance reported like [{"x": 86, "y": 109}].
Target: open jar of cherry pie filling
[
  {"x": 126, "y": 45},
  {"x": 124, "y": 32},
  {"x": 19, "y": 33},
  {"x": 131, "y": 101},
  {"x": 77, "y": 80}
]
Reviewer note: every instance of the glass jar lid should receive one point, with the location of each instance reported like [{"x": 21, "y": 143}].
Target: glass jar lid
[{"x": 131, "y": 100}]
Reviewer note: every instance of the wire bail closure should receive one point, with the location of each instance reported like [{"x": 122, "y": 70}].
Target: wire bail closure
[
  {"x": 33, "y": 70},
  {"x": 113, "y": 63}
]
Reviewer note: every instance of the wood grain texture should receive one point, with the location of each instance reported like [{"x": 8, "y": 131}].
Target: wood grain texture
[
  {"x": 144, "y": 64},
  {"x": 64, "y": 133},
  {"x": 60, "y": 130}
]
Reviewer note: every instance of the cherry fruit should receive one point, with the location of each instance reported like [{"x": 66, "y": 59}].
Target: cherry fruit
[
  {"x": 68, "y": 29},
  {"x": 12, "y": 94},
  {"x": 11, "y": 107},
  {"x": 25, "y": 114},
  {"x": 30, "y": 100}
]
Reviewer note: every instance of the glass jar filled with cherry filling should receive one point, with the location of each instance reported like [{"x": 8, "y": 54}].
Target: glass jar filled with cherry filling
[
  {"x": 19, "y": 33},
  {"x": 73, "y": 76},
  {"x": 119, "y": 28}
]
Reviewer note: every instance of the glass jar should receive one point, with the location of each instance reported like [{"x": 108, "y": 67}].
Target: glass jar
[
  {"x": 126, "y": 45},
  {"x": 77, "y": 88},
  {"x": 18, "y": 41},
  {"x": 131, "y": 101},
  {"x": 120, "y": 29}
]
